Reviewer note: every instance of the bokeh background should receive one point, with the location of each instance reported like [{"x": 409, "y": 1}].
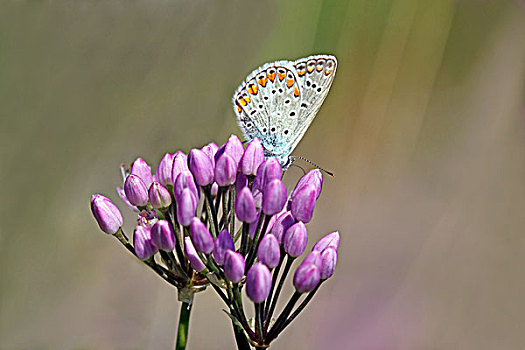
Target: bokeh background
[{"x": 424, "y": 127}]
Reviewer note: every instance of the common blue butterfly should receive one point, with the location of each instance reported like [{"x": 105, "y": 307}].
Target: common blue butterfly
[{"x": 278, "y": 101}]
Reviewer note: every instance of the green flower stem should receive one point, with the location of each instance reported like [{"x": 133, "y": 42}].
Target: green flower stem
[
  {"x": 218, "y": 199},
  {"x": 274, "y": 280},
  {"x": 299, "y": 308},
  {"x": 225, "y": 216},
  {"x": 258, "y": 322},
  {"x": 274, "y": 332},
  {"x": 231, "y": 203},
  {"x": 257, "y": 239},
  {"x": 240, "y": 338},
  {"x": 289, "y": 261},
  {"x": 184, "y": 323},
  {"x": 179, "y": 244},
  {"x": 244, "y": 238},
  {"x": 211, "y": 211}
]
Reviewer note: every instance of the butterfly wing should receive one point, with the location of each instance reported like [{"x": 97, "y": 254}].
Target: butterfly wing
[
  {"x": 267, "y": 106},
  {"x": 315, "y": 74}
]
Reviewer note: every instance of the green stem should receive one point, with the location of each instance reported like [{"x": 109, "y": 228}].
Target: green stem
[
  {"x": 240, "y": 338},
  {"x": 258, "y": 322},
  {"x": 184, "y": 323},
  {"x": 211, "y": 206},
  {"x": 299, "y": 308},
  {"x": 289, "y": 261},
  {"x": 274, "y": 332}
]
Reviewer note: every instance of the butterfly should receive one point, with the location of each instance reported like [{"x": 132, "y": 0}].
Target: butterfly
[{"x": 278, "y": 101}]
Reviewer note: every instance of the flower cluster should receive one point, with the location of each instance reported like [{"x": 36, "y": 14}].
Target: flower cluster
[{"x": 222, "y": 215}]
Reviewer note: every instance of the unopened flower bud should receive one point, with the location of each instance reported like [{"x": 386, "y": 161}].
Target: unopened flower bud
[
  {"x": 142, "y": 170},
  {"x": 200, "y": 236},
  {"x": 164, "y": 170},
  {"x": 269, "y": 252},
  {"x": 194, "y": 259},
  {"x": 106, "y": 213},
  {"x": 185, "y": 180},
  {"x": 303, "y": 203},
  {"x": 274, "y": 197},
  {"x": 144, "y": 247},
  {"x": 210, "y": 150},
  {"x": 245, "y": 206},
  {"x": 330, "y": 240},
  {"x": 240, "y": 182},
  {"x": 201, "y": 167},
  {"x": 225, "y": 170},
  {"x": 180, "y": 164},
  {"x": 253, "y": 157},
  {"x": 163, "y": 236},
  {"x": 329, "y": 260},
  {"x": 282, "y": 223},
  {"x": 234, "y": 265},
  {"x": 313, "y": 258},
  {"x": 223, "y": 243},
  {"x": 313, "y": 177},
  {"x": 306, "y": 278},
  {"x": 272, "y": 170},
  {"x": 136, "y": 190},
  {"x": 159, "y": 196},
  {"x": 258, "y": 283},
  {"x": 186, "y": 207},
  {"x": 295, "y": 239},
  {"x": 233, "y": 147}
]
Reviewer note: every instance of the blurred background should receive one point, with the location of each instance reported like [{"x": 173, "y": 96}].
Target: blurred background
[{"x": 424, "y": 127}]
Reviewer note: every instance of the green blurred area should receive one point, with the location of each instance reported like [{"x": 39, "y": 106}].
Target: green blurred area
[{"x": 424, "y": 128}]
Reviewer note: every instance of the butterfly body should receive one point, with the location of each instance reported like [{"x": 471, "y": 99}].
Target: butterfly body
[{"x": 278, "y": 101}]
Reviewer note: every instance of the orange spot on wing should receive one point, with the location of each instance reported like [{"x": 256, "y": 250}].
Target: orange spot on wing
[
  {"x": 252, "y": 89},
  {"x": 296, "y": 92},
  {"x": 247, "y": 99},
  {"x": 302, "y": 72},
  {"x": 239, "y": 109},
  {"x": 281, "y": 76},
  {"x": 271, "y": 77},
  {"x": 263, "y": 81},
  {"x": 328, "y": 71},
  {"x": 242, "y": 101},
  {"x": 310, "y": 69},
  {"x": 319, "y": 68},
  {"x": 289, "y": 82}
]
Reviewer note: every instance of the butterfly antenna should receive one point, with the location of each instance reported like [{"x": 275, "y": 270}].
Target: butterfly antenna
[
  {"x": 300, "y": 167},
  {"x": 315, "y": 165}
]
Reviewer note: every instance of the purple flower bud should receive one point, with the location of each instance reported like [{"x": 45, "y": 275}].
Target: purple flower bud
[
  {"x": 303, "y": 203},
  {"x": 253, "y": 157},
  {"x": 258, "y": 283},
  {"x": 269, "y": 252},
  {"x": 210, "y": 150},
  {"x": 144, "y": 247},
  {"x": 330, "y": 240},
  {"x": 142, "y": 170},
  {"x": 272, "y": 170},
  {"x": 186, "y": 207},
  {"x": 313, "y": 258},
  {"x": 274, "y": 197},
  {"x": 180, "y": 164},
  {"x": 164, "y": 170},
  {"x": 136, "y": 190},
  {"x": 313, "y": 177},
  {"x": 225, "y": 170},
  {"x": 223, "y": 243},
  {"x": 295, "y": 239},
  {"x": 201, "y": 167},
  {"x": 245, "y": 206},
  {"x": 214, "y": 189},
  {"x": 200, "y": 236},
  {"x": 185, "y": 180},
  {"x": 106, "y": 213},
  {"x": 329, "y": 260},
  {"x": 240, "y": 182},
  {"x": 282, "y": 223},
  {"x": 233, "y": 266},
  {"x": 159, "y": 196},
  {"x": 162, "y": 235},
  {"x": 233, "y": 147},
  {"x": 306, "y": 278},
  {"x": 194, "y": 259}
]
